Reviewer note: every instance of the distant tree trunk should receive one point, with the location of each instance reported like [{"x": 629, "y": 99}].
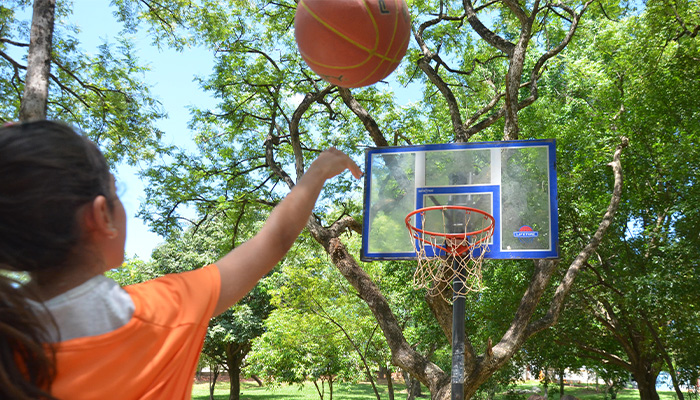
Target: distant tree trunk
[
  {"x": 235, "y": 381},
  {"x": 36, "y": 84},
  {"x": 320, "y": 390},
  {"x": 390, "y": 383},
  {"x": 413, "y": 387},
  {"x": 257, "y": 380},
  {"x": 213, "y": 376},
  {"x": 235, "y": 353},
  {"x": 561, "y": 382}
]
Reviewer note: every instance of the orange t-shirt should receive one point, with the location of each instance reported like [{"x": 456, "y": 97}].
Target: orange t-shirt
[{"x": 155, "y": 354}]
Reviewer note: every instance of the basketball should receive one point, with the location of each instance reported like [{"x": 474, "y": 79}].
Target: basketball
[{"x": 352, "y": 43}]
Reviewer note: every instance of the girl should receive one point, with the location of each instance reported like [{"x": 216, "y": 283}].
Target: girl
[{"x": 62, "y": 222}]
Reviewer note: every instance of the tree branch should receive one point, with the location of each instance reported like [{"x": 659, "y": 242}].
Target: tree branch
[
  {"x": 367, "y": 120},
  {"x": 305, "y": 104},
  {"x": 450, "y": 99},
  {"x": 486, "y": 34},
  {"x": 557, "y": 302},
  {"x": 604, "y": 355},
  {"x": 343, "y": 224}
]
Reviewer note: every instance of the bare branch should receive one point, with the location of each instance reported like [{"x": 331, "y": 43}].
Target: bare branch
[
  {"x": 12, "y": 42},
  {"x": 602, "y": 280},
  {"x": 576, "y": 17},
  {"x": 273, "y": 165},
  {"x": 604, "y": 356},
  {"x": 455, "y": 115}
]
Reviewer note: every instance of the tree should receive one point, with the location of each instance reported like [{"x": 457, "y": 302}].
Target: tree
[
  {"x": 274, "y": 114},
  {"x": 636, "y": 298},
  {"x": 299, "y": 347},
  {"x": 308, "y": 284},
  {"x": 101, "y": 94},
  {"x": 229, "y": 336}
]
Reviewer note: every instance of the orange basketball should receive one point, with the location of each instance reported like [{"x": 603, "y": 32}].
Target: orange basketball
[{"x": 352, "y": 43}]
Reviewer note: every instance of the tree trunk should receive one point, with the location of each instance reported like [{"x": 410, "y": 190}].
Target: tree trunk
[
  {"x": 36, "y": 84},
  {"x": 257, "y": 380},
  {"x": 320, "y": 390},
  {"x": 235, "y": 353},
  {"x": 213, "y": 376},
  {"x": 646, "y": 384},
  {"x": 413, "y": 387},
  {"x": 390, "y": 383},
  {"x": 235, "y": 384},
  {"x": 666, "y": 357},
  {"x": 561, "y": 382}
]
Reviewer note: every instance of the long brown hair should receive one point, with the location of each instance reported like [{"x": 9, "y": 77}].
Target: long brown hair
[
  {"x": 47, "y": 172},
  {"x": 27, "y": 364}
]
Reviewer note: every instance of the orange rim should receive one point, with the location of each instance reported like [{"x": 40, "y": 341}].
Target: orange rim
[{"x": 417, "y": 233}]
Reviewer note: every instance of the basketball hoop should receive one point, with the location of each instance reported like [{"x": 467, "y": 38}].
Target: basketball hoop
[{"x": 450, "y": 243}]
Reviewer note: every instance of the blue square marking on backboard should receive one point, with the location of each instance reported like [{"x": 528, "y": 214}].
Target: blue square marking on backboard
[{"x": 492, "y": 190}]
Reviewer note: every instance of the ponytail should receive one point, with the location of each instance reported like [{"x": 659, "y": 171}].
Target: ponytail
[{"x": 27, "y": 364}]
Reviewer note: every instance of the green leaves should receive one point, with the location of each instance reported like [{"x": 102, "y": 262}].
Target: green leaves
[
  {"x": 623, "y": 79},
  {"x": 102, "y": 92}
]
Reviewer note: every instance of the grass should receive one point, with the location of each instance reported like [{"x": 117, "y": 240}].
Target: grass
[
  {"x": 363, "y": 391},
  {"x": 589, "y": 392},
  {"x": 341, "y": 391}
]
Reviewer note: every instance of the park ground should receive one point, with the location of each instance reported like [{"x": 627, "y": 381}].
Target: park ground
[{"x": 363, "y": 391}]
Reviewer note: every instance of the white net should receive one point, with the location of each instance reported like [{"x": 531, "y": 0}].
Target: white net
[{"x": 450, "y": 244}]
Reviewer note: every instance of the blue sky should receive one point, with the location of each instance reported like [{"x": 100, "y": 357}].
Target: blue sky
[{"x": 172, "y": 80}]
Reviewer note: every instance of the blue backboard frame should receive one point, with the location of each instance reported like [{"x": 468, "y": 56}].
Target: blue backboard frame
[{"x": 498, "y": 248}]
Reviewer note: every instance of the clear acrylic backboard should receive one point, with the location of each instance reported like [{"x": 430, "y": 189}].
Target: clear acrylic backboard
[{"x": 514, "y": 181}]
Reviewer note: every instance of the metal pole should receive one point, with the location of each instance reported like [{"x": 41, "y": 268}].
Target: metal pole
[{"x": 458, "y": 320}]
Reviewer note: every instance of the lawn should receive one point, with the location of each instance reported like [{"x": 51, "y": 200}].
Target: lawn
[
  {"x": 344, "y": 391},
  {"x": 589, "y": 392},
  {"x": 363, "y": 391}
]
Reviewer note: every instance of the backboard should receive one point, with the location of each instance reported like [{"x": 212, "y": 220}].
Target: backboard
[{"x": 514, "y": 181}]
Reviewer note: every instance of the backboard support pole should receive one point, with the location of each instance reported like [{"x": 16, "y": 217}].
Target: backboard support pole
[{"x": 458, "y": 322}]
